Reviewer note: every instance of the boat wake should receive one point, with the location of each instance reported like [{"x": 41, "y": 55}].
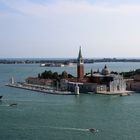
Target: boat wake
[
  {"x": 92, "y": 130},
  {"x": 5, "y": 105},
  {"x": 67, "y": 128}
]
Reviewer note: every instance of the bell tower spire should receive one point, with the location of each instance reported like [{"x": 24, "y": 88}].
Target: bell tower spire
[
  {"x": 80, "y": 66},
  {"x": 80, "y": 58}
]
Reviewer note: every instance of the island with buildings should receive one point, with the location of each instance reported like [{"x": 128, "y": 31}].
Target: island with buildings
[{"x": 101, "y": 82}]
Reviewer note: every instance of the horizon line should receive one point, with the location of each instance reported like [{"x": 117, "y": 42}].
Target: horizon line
[{"x": 69, "y": 58}]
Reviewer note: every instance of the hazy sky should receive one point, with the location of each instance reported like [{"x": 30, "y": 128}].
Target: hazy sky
[{"x": 56, "y": 28}]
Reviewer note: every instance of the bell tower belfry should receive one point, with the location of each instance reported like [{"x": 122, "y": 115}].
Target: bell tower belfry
[{"x": 80, "y": 66}]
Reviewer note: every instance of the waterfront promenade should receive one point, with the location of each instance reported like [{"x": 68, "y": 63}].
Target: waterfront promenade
[
  {"x": 39, "y": 88},
  {"x": 49, "y": 90}
]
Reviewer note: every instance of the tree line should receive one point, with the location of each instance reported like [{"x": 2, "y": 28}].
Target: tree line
[{"x": 54, "y": 75}]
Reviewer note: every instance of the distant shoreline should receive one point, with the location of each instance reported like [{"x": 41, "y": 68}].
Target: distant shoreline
[{"x": 65, "y": 60}]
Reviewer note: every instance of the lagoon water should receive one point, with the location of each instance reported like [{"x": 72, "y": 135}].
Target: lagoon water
[{"x": 40, "y": 116}]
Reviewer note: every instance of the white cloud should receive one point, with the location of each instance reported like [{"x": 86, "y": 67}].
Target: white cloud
[{"x": 69, "y": 7}]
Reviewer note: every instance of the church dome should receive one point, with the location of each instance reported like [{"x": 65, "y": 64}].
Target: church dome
[{"x": 105, "y": 71}]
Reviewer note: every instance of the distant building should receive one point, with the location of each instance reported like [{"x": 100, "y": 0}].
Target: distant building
[
  {"x": 134, "y": 84},
  {"x": 95, "y": 82}
]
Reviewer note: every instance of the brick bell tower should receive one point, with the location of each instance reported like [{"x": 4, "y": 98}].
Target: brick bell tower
[{"x": 80, "y": 66}]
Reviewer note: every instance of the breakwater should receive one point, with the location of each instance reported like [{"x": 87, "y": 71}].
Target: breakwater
[{"x": 39, "y": 88}]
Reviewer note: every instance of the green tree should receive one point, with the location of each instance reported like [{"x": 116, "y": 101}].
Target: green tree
[
  {"x": 70, "y": 76},
  {"x": 55, "y": 76},
  {"x": 50, "y": 75},
  {"x": 64, "y": 75}
]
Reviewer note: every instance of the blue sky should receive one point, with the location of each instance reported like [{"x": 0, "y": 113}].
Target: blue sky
[{"x": 56, "y": 28}]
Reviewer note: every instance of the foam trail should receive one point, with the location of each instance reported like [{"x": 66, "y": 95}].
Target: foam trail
[
  {"x": 4, "y": 105},
  {"x": 51, "y": 127},
  {"x": 67, "y": 128}
]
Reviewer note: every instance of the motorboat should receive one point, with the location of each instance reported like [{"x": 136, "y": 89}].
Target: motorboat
[
  {"x": 92, "y": 130},
  {"x": 13, "y": 104}
]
